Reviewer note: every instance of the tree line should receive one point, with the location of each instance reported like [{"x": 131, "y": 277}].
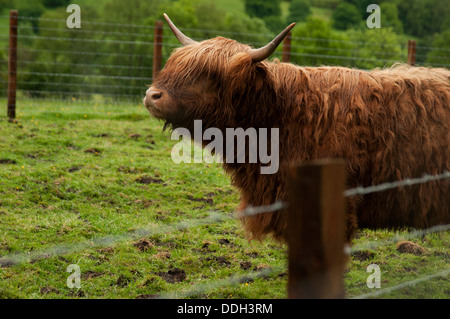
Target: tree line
[{"x": 111, "y": 53}]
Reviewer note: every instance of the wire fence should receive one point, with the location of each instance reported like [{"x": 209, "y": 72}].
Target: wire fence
[
  {"x": 215, "y": 217},
  {"x": 116, "y": 60}
]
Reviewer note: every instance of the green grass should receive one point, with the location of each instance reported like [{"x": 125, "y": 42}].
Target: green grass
[{"x": 72, "y": 173}]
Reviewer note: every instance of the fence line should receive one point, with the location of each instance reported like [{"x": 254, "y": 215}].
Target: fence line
[
  {"x": 390, "y": 185},
  {"x": 70, "y": 93},
  {"x": 78, "y": 84},
  {"x": 252, "y": 211},
  {"x": 397, "y": 238},
  {"x": 136, "y": 63},
  {"x": 112, "y": 24},
  {"x": 214, "y": 218},
  {"x": 79, "y": 39},
  {"x": 151, "y": 27},
  {"x": 90, "y": 75},
  {"x": 87, "y": 52},
  {"x": 14, "y": 259},
  {"x": 89, "y": 65},
  {"x": 61, "y": 249},
  {"x": 268, "y": 35},
  {"x": 403, "y": 285},
  {"x": 327, "y": 56},
  {"x": 85, "y": 31},
  {"x": 198, "y": 289}
]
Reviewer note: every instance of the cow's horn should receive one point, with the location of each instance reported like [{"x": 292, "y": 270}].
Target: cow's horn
[
  {"x": 264, "y": 52},
  {"x": 184, "y": 40}
]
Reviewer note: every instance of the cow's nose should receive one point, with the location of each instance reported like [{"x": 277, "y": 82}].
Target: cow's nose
[{"x": 153, "y": 94}]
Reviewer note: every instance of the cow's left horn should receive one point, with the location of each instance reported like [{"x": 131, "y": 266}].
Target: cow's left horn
[
  {"x": 184, "y": 40},
  {"x": 264, "y": 52}
]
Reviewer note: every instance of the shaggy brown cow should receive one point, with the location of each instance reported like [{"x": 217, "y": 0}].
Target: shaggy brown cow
[{"x": 388, "y": 125}]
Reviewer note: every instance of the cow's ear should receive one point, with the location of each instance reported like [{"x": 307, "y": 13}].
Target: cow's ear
[{"x": 244, "y": 74}]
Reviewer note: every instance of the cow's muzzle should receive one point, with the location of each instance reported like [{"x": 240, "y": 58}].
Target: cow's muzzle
[{"x": 152, "y": 96}]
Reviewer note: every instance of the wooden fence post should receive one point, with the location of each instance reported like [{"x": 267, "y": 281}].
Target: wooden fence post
[
  {"x": 12, "y": 64},
  {"x": 286, "y": 55},
  {"x": 316, "y": 227},
  {"x": 411, "y": 52},
  {"x": 157, "y": 47}
]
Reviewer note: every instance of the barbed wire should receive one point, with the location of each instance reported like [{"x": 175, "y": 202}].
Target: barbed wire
[
  {"x": 79, "y": 85},
  {"x": 78, "y": 39},
  {"x": 99, "y": 242},
  {"x": 73, "y": 102},
  {"x": 357, "y": 50},
  {"x": 82, "y": 75},
  {"x": 213, "y": 218},
  {"x": 87, "y": 65},
  {"x": 328, "y": 56},
  {"x": 390, "y": 185},
  {"x": 113, "y": 24},
  {"x": 397, "y": 238},
  {"x": 78, "y": 93},
  {"x": 403, "y": 285},
  {"x": 268, "y": 35},
  {"x": 80, "y": 30},
  {"x": 201, "y": 288},
  {"x": 84, "y": 52},
  {"x": 252, "y": 211}
]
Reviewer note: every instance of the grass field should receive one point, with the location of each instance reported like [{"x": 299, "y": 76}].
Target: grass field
[{"x": 93, "y": 184}]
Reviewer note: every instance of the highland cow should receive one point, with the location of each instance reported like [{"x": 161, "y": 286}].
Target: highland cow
[{"x": 388, "y": 124}]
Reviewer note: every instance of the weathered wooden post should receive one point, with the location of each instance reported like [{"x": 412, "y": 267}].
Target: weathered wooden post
[
  {"x": 286, "y": 54},
  {"x": 316, "y": 229},
  {"x": 12, "y": 64},
  {"x": 157, "y": 47},
  {"x": 411, "y": 52}
]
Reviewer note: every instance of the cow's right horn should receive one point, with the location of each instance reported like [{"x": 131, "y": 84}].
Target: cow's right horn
[
  {"x": 264, "y": 52},
  {"x": 184, "y": 40}
]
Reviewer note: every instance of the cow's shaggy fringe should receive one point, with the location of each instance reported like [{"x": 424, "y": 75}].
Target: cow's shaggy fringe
[{"x": 388, "y": 124}]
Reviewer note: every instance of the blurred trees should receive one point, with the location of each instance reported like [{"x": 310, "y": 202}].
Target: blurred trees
[
  {"x": 424, "y": 17},
  {"x": 440, "y": 49},
  {"x": 390, "y": 17},
  {"x": 316, "y": 43},
  {"x": 298, "y": 11},
  {"x": 55, "y": 3},
  {"x": 269, "y": 11},
  {"x": 346, "y": 15},
  {"x": 119, "y": 36}
]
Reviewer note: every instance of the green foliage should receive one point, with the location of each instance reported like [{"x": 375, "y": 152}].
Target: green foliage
[
  {"x": 340, "y": 38},
  {"x": 33, "y": 9},
  {"x": 269, "y": 11},
  {"x": 345, "y": 16},
  {"x": 298, "y": 11},
  {"x": 424, "y": 17},
  {"x": 362, "y": 5},
  {"x": 130, "y": 11},
  {"x": 244, "y": 28},
  {"x": 191, "y": 14},
  {"x": 377, "y": 47},
  {"x": 316, "y": 43},
  {"x": 263, "y": 8},
  {"x": 440, "y": 52},
  {"x": 390, "y": 17},
  {"x": 55, "y": 3}
]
